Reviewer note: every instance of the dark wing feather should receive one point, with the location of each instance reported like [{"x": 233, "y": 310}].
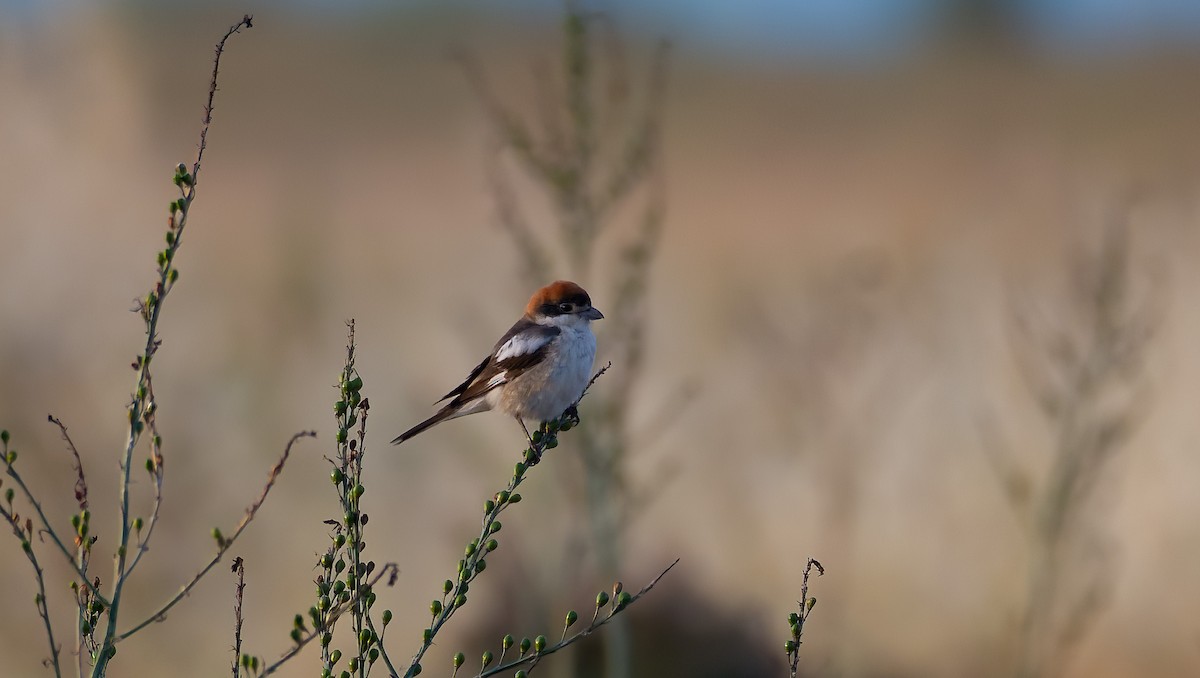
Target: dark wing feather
[
  {"x": 479, "y": 382},
  {"x": 463, "y": 386},
  {"x": 511, "y": 366}
]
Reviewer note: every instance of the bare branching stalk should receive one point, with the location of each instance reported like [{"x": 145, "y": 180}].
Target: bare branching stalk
[
  {"x": 1084, "y": 370},
  {"x": 588, "y": 149},
  {"x": 238, "y": 568}
]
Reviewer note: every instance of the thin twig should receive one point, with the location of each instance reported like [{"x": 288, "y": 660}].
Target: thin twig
[
  {"x": 25, "y": 536},
  {"x": 81, "y": 489},
  {"x": 226, "y": 542},
  {"x": 614, "y": 610}
]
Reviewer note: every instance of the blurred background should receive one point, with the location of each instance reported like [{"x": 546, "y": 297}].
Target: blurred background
[{"x": 908, "y": 287}]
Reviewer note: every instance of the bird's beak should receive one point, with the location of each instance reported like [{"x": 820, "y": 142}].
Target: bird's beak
[{"x": 592, "y": 314}]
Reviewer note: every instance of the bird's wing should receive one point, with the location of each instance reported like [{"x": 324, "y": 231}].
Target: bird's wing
[{"x": 522, "y": 347}]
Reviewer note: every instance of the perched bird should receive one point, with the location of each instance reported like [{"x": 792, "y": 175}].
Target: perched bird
[{"x": 539, "y": 367}]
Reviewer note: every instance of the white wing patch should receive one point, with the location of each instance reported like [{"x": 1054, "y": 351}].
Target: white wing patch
[
  {"x": 500, "y": 378},
  {"x": 521, "y": 344}
]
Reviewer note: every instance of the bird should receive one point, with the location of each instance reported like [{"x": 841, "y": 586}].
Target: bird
[{"x": 537, "y": 370}]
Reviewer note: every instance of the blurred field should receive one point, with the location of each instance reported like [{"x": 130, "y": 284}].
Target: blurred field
[{"x": 844, "y": 249}]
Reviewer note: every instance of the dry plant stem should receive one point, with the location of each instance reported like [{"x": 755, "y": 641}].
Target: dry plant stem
[
  {"x": 151, "y": 309},
  {"x": 389, "y": 569},
  {"x": 613, "y": 610},
  {"x": 81, "y": 490},
  {"x": 1085, "y": 375},
  {"x": 226, "y": 542},
  {"x": 239, "y": 567}
]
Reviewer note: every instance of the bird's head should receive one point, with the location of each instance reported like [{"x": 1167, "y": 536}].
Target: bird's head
[{"x": 562, "y": 303}]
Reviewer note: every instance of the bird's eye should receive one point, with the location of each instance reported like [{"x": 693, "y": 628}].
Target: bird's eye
[{"x": 566, "y": 307}]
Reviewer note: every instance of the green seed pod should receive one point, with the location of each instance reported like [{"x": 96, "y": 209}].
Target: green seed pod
[
  {"x": 463, "y": 588},
  {"x": 435, "y": 608},
  {"x": 426, "y": 635},
  {"x": 601, "y": 599},
  {"x": 447, "y": 587},
  {"x": 495, "y": 526},
  {"x": 11, "y": 457},
  {"x": 525, "y": 645},
  {"x": 137, "y": 524},
  {"x": 489, "y": 506},
  {"x": 4, "y": 437},
  {"x": 470, "y": 550},
  {"x": 572, "y": 617},
  {"x": 492, "y": 545},
  {"x": 480, "y": 566},
  {"x": 795, "y": 630},
  {"x": 623, "y": 599},
  {"x": 515, "y": 498},
  {"x": 216, "y": 534},
  {"x": 551, "y": 443},
  {"x": 518, "y": 470},
  {"x": 387, "y": 617},
  {"x": 339, "y": 408},
  {"x": 502, "y": 496},
  {"x": 520, "y": 674},
  {"x": 373, "y": 655},
  {"x": 459, "y": 658},
  {"x": 460, "y": 600},
  {"x": 507, "y": 641},
  {"x": 296, "y": 636},
  {"x": 352, "y": 664},
  {"x": 810, "y": 604},
  {"x": 416, "y": 669},
  {"x": 335, "y": 656},
  {"x": 539, "y": 643},
  {"x": 340, "y": 540},
  {"x": 338, "y": 587},
  {"x": 8, "y": 495},
  {"x": 355, "y": 384},
  {"x": 342, "y": 435},
  {"x": 181, "y": 169},
  {"x": 536, "y": 437},
  {"x": 358, "y": 491},
  {"x": 793, "y": 619},
  {"x": 75, "y": 522},
  {"x": 364, "y": 638},
  {"x": 487, "y": 658},
  {"x": 336, "y": 476},
  {"x": 789, "y": 646}
]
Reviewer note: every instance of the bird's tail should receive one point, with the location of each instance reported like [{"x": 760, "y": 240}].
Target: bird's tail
[{"x": 442, "y": 415}]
